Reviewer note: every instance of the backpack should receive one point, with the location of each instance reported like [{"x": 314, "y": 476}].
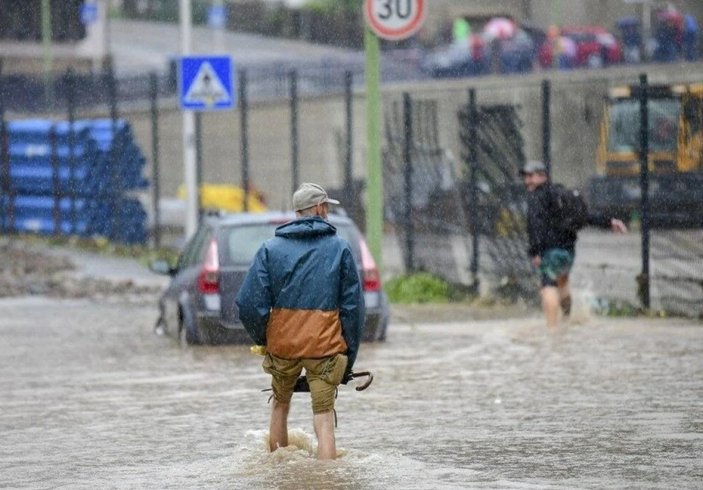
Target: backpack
[{"x": 571, "y": 210}]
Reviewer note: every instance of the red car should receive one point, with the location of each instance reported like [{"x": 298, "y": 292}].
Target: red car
[{"x": 595, "y": 47}]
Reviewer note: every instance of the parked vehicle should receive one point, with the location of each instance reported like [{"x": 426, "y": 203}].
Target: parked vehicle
[
  {"x": 482, "y": 54},
  {"x": 595, "y": 47},
  {"x": 675, "y": 155},
  {"x": 198, "y": 306},
  {"x": 516, "y": 54},
  {"x": 459, "y": 59}
]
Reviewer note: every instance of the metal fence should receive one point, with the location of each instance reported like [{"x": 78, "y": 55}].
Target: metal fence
[
  {"x": 460, "y": 213},
  {"x": 28, "y": 94},
  {"x": 75, "y": 96},
  {"x": 657, "y": 266},
  {"x": 423, "y": 198}
]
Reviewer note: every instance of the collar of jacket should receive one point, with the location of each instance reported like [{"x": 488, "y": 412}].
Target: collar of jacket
[{"x": 306, "y": 227}]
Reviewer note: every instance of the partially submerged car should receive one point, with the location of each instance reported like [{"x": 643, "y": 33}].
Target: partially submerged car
[{"x": 198, "y": 306}]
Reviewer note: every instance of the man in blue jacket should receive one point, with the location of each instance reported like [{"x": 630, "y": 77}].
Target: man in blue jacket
[{"x": 302, "y": 299}]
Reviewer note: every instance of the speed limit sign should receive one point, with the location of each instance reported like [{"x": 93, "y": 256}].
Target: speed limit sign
[{"x": 394, "y": 19}]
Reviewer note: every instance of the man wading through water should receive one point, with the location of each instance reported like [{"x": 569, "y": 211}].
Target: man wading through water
[
  {"x": 302, "y": 299},
  {"x": 551, "y": 245}
]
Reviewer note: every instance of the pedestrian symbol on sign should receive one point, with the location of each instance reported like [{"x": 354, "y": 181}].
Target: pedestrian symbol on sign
[
  {"x": 205, "y": 83},
  {"x": 207, "y": 88}
]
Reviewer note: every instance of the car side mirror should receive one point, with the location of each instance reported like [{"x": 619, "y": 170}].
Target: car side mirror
[{"x": 162, "y": 267}]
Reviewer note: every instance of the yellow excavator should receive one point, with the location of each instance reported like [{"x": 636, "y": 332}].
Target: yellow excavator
[{"x": 675, "y": 159}]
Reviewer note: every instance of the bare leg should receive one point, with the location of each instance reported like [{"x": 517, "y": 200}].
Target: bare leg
[
  {"x": 278, "y": 429},
  {"x": 324, "y": 430},
  {"x": 564, "y": 295},
  {"x": 550, "y": 305}
]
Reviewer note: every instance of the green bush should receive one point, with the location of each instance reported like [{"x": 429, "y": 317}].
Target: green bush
[{"x": 418, "y": 288}]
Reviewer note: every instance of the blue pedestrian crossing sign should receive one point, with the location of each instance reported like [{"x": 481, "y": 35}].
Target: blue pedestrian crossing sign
[{"x": 206, "y": 83}]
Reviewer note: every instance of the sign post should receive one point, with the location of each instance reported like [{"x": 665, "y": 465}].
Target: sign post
[
  {"x": 392, "y": 20},
  {"x": 189, "y": 164}
]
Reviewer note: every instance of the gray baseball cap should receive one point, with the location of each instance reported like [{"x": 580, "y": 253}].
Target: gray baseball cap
[
  {"x": 309, "y": 195},
  {"x": 532, "y": 167}
]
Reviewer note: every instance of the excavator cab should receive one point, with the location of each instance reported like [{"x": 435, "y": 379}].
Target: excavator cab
[{"x": 674, "y": 160}]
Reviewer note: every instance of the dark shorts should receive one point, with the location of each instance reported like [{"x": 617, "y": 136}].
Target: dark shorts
[
  {"x": 324, "y": 375},
  {"x": 555, "y": 263}
]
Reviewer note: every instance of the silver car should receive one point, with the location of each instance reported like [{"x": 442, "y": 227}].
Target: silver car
[{"x": 198, "y": 306}]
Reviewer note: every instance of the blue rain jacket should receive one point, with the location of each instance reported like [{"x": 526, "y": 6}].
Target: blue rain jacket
[{"x": 302, "y": 295}]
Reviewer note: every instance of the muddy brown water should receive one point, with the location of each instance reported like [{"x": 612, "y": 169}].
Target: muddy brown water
[{"x": 91, "y": 398}]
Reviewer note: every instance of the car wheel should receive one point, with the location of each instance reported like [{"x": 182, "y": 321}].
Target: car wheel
[
  {"x": 383, "y": 329},
  {"x": 185, "y": 335}
]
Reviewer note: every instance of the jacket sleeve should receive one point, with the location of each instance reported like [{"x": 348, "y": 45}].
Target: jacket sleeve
[
  {"x": 599, "y": 219},
  {"x": 254, "y": 299},
  {"x": 533, "y": 234},
  {"x": 536, "y": 226},
  {"x": 351, "y": 306}
]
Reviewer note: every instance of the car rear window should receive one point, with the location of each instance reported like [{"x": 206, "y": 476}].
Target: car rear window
[{"x": 241, "y": 242}]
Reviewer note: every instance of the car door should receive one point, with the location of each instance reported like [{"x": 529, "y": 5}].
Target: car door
[{"x": 184, "y": 283}]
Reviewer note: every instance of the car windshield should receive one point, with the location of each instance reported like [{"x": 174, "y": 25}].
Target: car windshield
[
  {"x": 625, "y": 125},
  {"x": 241, "y": 242}
]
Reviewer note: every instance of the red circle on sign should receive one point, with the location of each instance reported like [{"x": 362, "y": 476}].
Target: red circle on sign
[{"x": 391, "y": 34}]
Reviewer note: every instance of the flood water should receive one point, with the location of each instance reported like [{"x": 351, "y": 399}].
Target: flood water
[{"x": 91, "y": 398}]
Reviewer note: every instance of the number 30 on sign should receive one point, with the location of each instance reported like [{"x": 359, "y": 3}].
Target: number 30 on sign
[{"x": 394, "y": 19}]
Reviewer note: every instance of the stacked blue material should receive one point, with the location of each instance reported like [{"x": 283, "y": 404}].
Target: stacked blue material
[{"x": 75, "y": 184}]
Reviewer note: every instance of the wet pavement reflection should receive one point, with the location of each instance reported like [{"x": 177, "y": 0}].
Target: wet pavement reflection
[{"x": 91, "y": 398}]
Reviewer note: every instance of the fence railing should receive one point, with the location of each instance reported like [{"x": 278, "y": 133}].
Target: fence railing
[
  {"x": 31, "y": 94},
  {"x": 490, "y": 239}
]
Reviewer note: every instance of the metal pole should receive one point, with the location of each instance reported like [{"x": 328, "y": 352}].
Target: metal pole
[
  {"x": 219, "y": 30},
  {"x": 374, "y": 207},
  {"x": 155, "y": 176},
  {"x": 71, "y": 103},
  {"x": 243, "y": 113},
  {"x": 646, "y": 29},
  {"x": 47, "y": 40},
  {"x": 115, "y": 184},
  {"x": 473, "y": 188},
  {"x": 4, "y": 158},
  {"x": 189, "y": 157},
  {"x": 644, "y": 280},
  {"x": 349, "y": 196},
  {"x": 408, "y": 183},
  {"x": 294, "y": 138},
  {"x": 547, "y": 126},
  {"x": 55, "y": 179},
  {"x": 199, "y": 159}
]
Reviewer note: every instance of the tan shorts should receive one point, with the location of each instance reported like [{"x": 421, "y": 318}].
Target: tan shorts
[{"x": 324, "y": 375}]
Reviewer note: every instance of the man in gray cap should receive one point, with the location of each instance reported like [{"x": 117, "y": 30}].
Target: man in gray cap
[
  {"x": 552, "y": 240},
  {"x": 302, "y": 300}
]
